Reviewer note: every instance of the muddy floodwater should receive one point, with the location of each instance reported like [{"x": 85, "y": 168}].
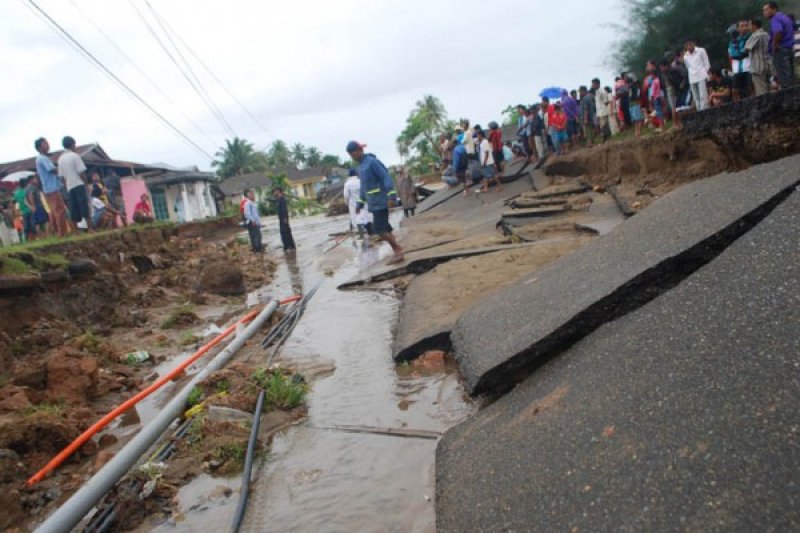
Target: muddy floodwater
[{"x": 321, "y": 479}]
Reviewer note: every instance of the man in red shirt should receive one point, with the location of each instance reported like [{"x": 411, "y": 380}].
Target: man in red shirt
[
  {"x": 142, "y": 213},
  {"x": 496, "y": 139}
]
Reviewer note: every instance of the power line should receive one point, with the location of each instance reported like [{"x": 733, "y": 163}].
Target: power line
[
  {"x": 92, "y": 59},
  {"x": 192, "y": 84},
  {"x": 189, "y": 68},
  {"x": 214, "y": 76},
  {"x": 143, "y": 73}
]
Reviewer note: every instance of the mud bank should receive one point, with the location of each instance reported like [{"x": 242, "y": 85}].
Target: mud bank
[
  {"x": 63, "y": 343},
  {"x": 725, "y": 139}
]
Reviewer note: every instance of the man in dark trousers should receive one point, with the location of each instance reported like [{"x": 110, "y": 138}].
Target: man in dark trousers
[
  {"x": 253, "y": 221},
  {"x": 283, "y": 219},
  {"x": 377, "y": 194}
]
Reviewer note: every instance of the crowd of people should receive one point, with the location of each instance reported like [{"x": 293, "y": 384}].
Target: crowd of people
[
  {"x": 761, "y": 57},
  {"x": 65, "y": 197}
]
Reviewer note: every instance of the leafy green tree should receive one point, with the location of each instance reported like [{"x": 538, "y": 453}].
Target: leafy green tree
[
  {"x": 511, "y": 115},
  {"x": 418, "y": 141},
  {"x": 654, "y": 27},
  {"x": 298, "y": 154},
  {"x": 330, "y": 161},
  {"x": 313, "y": 156},
  {"x": 237, "y": 157},
  {"x": 279, "y": 155}
]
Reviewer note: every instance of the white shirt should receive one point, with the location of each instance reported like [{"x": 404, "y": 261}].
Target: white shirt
[
  {"x": 97, "y": 204},
  {"x": 469, "y": 142},
  {"x": 486, "y": 148},
  {"x": 601, "y": 102},
  {"x": 352, "y": 194},
  {"x": 70, "y": 166},
  {"x": 697, "y": 64}
]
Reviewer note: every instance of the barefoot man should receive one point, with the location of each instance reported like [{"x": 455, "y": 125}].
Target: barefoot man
[{"x": 377, "y": 193}]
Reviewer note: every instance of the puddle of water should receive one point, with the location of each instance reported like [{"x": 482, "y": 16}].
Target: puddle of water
[{"x": 206, "y": 504}]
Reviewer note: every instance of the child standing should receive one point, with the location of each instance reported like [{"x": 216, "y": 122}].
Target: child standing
[
  {"x": 558, "y": 129},
  {"x": 487, "y": 163}
]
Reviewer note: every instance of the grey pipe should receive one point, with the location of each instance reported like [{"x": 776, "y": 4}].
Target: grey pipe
[
  {"x": 252, "y": 444},
  {"x": 74, "y": 509}
]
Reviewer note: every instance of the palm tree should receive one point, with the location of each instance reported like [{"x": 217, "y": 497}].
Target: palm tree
[
  {"x": 279, "y": 155},
  {"x": 313, "y": 156},
  {"x": 237, "y": 157},
  {"x": 298, "y": 154},
  {"x": 418, "y": 140}
]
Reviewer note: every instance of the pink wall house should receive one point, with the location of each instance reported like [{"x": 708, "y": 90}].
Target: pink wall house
[{"x": 132, "y": 190}]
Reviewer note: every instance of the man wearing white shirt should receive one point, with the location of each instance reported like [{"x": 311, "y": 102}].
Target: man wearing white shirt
[
  {"x": 487, "y": 162},
  {"x": 72, "y": 168},
  {"x": 253, "y": 220},
  {"x": 696, "y": 61}
]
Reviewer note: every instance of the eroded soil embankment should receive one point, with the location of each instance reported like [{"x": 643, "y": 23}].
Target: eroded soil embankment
[
  {"x": 63, "y": 343},
  {"x": 644, "y": 169}
]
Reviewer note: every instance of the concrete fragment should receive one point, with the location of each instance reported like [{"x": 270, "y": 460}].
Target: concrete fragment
[{"x": 499, "y": 341}]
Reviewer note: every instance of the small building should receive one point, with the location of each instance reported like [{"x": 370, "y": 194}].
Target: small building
[
  {"x": 308, "y": 182},
  {"x": 180, "y": 195},
  {"x": 234, "y": 187}
]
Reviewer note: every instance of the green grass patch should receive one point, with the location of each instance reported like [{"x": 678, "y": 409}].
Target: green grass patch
[
  {"x": 195, "y": 397},
  {"x": 179, "y": 316},
  {"x": 232, "y": 453},
  {"x": 223, "y": 385},
  {"x": 14, "y": 267},
  {"x": 49, "y": 408},
  {"x": 51, "y": 261},
  {"x": 281, "y": 391},
  {"x": 188, "y": 338}
]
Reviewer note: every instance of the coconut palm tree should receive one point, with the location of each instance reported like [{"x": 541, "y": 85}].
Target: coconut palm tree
[
  {"x": 418, "y": 140},
  {"x": 279, "y": 155},
  {"x": 298, "y": 154},
  {"x": 313, "y": 156},
  {"x": 237, "y": 157}
]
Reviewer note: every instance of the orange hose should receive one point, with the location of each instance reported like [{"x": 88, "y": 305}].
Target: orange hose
[{"x": 64, "y": 454}]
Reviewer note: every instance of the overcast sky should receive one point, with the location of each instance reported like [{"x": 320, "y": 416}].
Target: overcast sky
[{"x": 311, "y": 71}]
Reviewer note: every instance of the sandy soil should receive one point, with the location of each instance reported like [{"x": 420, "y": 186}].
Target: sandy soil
[{"x": 433, "y": 301}]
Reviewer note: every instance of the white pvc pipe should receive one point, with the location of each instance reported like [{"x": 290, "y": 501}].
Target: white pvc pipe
[{"x": 74, "y": 509}]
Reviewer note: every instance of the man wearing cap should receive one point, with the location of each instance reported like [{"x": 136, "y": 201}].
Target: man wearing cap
[{"x": 377, "y": 193}]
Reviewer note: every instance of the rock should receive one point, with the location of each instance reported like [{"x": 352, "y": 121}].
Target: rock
[
  {"x": 103, "y": 456},
  {"x": 82, "y": 267},
  {"x": 72, "y": 379},
  {"x": 16, "y": 403},
  {"x": 89, "y": 448},
  {"x": 430, "y": 360},
  {"x": 106, "y": 440},
  {"x": 221, "y": 277},
  {"x": 11, "y": 467},
  {"x": 34, "y": 377},
  {"x": 54, "y": 276},
  {"x": 228, "y": 414},
  {"x": 53, "y": 493}
]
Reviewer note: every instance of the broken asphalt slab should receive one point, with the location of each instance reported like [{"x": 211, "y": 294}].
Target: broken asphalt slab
[
  {"x": 534, "y": 212},
  {"x": 420, "y": 264},
  {"x": 500, "y": 340},
  {"x": 681, "y": 415},
  {"x": 433, "y": 301},
  {"x": 438, "y": 198}
]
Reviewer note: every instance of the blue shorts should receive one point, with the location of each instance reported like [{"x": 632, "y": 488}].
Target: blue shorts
[
  {"x": 488, "y": 172},
  {"x": 380, "y": 222}
]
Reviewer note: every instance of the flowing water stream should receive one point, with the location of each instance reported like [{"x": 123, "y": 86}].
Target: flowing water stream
[{"x": 319, "y": 479}]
